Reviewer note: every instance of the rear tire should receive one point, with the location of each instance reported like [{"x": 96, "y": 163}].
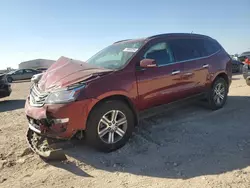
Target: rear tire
[
  {"x": 217, "y": 96},
  {"x": 103, "y": 130}
]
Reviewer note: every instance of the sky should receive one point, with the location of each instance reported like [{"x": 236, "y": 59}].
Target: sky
[{"x": 31, "y": 29}]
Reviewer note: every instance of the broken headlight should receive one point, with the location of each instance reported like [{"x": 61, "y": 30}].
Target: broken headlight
[{"x": 64, "y": 95}]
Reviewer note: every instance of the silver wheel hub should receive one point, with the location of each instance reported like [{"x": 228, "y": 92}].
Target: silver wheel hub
[
  {"x": 219, "y": 93},
  {"x": 112, "y": 126}
]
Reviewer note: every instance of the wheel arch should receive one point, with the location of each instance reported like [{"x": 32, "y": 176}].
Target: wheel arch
[
  {"x": 9, "y": 77},
  {"x": 221, "y": 75},
  {"x": 117, "y": 97}
]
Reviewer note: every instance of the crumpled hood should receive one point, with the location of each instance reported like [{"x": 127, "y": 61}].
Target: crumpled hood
[{"x": 65, "y": 72}]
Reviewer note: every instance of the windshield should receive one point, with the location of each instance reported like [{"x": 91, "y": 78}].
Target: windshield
[{"x": 116, "y": 55}]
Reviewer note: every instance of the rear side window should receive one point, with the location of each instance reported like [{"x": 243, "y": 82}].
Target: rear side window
[
  {"x": 186, "y": 49},
  {"x": 199, "y": 45},
  {"x": 211, "y": 46}
]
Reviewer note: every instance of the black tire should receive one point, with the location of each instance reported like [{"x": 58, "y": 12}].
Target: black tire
[
  {"x": 240, "y": 68},
  {"x": 10, "y": 80},
  {"x": 92, "y": 136},
  {"x": 245, "y": 71},
  {"x": 212, "y": 100},
  {"x": 248, "y": 80}
]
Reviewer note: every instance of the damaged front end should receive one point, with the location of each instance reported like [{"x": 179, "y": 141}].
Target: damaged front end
[
  {"x": 53, "y": 128},
  {"x": 47, "y": 148},
  {"x": 46, "y": 134},
  {"x": 56, "y": 107},
  {"x": 51, "y": 122}
]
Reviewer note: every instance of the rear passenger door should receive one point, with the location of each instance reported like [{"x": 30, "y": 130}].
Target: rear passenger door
[{"x": 194, "y": 75}]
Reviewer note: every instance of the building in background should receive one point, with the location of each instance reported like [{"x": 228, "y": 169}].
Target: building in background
[{"x": 36, "y": 64}]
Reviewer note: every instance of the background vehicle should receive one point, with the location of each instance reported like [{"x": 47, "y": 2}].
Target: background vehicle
[
  {"x": 243, "y": 56},
  {"x": 248, "y": 80},
  {"x": 246, "y": 73},
  {"x": 21, "y": 74},
  {"x": 237, "y": 66},
  {"x": 42, "y": 69},
  {"x": 5, "y": 87},
  {"x": 104, "y": 97}
]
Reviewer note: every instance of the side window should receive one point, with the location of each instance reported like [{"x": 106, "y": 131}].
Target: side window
[
  {"x": 29, "y": 71},
  {"x": 199, "y": 45},
  {"x": 211, "y": 46},
  {"x": 19, "y": 72},
  {"x": 186, "y": 49},
  {"x": 161, "y": 53}
]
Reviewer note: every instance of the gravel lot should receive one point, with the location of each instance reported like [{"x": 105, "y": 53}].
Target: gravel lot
[{"x": 189, "y": 146}]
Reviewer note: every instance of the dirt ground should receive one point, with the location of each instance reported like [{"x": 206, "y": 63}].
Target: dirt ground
[{"x": 189, "y": 146}]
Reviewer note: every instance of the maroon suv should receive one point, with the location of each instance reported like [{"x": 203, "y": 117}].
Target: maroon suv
[{"x": 102, "y": 98}]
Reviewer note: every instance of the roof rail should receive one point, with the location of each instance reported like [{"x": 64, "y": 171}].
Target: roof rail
[
  {"x": 159, "y": 35},
  {"x": 122, "y": 41},
  {"x": 177, "y": 34}
]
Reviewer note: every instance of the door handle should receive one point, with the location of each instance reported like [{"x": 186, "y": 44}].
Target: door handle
[
  {"x": 188, "y": 74},
  {"x": 205, "y": 66},
  {"x": 176, "y": 72}
]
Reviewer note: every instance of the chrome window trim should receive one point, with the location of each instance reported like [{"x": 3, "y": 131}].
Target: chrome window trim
[{"x": 177, "y": 62}]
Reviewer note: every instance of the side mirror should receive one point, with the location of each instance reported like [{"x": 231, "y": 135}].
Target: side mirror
[{"x": 148, "y": 63}]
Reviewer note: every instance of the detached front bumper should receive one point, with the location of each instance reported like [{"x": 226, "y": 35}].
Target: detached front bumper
[
  {"x": 59, "y": 120},
  {"x": 5, "y": 90}
]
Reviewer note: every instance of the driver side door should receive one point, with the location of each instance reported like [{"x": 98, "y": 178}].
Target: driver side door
[
  {"x": 161, "y": 84},
  {"x": 18, "y": 75}
]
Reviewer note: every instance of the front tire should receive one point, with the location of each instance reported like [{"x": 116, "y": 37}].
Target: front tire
[
  {"x": 110, "y": 125},
  {"x": 10, "y": 80},
  {"x": 217, "y": 95}
]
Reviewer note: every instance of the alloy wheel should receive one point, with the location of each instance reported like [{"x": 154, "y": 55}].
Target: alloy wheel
[
  {"x": 112, "y": 126},
  {"x": 219, "y": 93}
]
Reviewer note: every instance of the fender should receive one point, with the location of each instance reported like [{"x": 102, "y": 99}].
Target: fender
[
  {"x": 115, "y": 94},
  {"x": 214, "y": 76}
]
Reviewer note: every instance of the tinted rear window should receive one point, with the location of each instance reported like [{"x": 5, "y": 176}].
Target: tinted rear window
[
  {"x": 181, "y": 49},
  {"x": 211, "y": 46},
  {"x": 187, "y": 49}
]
